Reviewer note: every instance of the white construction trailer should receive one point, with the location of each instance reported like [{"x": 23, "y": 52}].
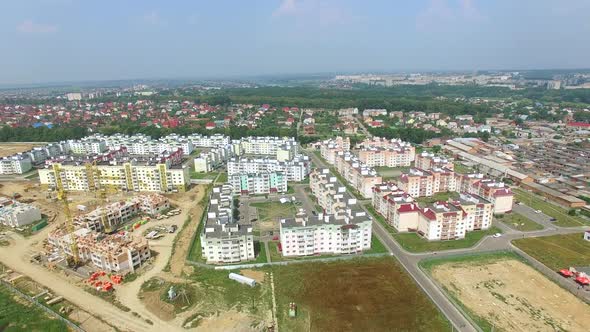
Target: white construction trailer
[{"x": 243, "y": 280}]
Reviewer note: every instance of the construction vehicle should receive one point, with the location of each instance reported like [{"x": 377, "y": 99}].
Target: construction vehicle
[{"x": 74, "y": 259}]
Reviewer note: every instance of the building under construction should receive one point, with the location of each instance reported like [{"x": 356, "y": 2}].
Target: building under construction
[
  {"x": 114, "y": 214},
  {"x": 119, "y": 253}
]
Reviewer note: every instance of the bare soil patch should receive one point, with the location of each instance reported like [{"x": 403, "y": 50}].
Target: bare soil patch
[
  {"x": 256, "y": 275},
  {"x": 513, "y": 296},
  {"x": 8, "y": 149}
]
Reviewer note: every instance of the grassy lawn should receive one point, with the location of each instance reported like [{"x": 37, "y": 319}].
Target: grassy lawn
[
  {"x": 19, "y": 315},
  {"x": 203, "y": 176},
  {"x": 272, "y": 211},
  {"x": 390, "y": 172},
  {"x": 557, "y": 251},
  {"x": 442, "y": 196},
  {"x": 195, "y": 254},
  {"x": 554, "y": 211},
  {"x": 460, "y": 168},
  {"x": 222, "y": 178},
  {"x": 412, "y": 242},
  {"x": 519, "y": 222},
  {"x": 376, "y": 246},
  {"x": 331, "y": 299}
]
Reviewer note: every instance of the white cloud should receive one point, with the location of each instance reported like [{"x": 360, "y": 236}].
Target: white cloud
[{"x": 28, "y": 26}]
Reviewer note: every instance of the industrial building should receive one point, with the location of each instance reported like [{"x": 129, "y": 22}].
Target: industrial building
[{"x": 224, "y": 239}]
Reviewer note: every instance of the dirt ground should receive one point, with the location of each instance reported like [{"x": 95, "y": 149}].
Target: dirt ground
[
  {"x": 367, "y": 295},
  {"x": 187, "y": 202},
  {"x": 256, "y": 275},
  {"x": 513, "y": 296},
  {"x": 154, "y": 303},
  {"x": 8, "y": 149}
]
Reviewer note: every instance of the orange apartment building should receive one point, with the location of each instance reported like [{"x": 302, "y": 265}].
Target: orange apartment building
[
  {"x": 427, "y": 160},
  {"x": 378, "y": 152},
  {"x": 357, "y": 174}
]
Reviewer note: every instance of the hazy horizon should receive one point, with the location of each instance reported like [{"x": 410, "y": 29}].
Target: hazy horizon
[{"x": 74, "y": 41}]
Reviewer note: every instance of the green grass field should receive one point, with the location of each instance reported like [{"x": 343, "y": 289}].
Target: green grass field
[
  {"x": 391, "y": 172},
  {"x": 412, "y": 242},
  {"x": 557, "y": 251},
  {"x": 18, "y": 315},
  {"x": 442, "y": 196},
  {"x": 460, "y": 168},
  {"x": 272, "y": 211},
  {"x": 552, "y": 210},
  {"x": 203, "y": 176},
  {"x": 519, "y": 222},
  {"x": 353, "y": 295}
]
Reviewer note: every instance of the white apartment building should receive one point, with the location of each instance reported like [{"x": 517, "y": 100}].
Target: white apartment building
[
  {"x": 342, "y": 228},
  {"x": 209, "y": 141},
  {"x": 87, "y": 146},
  {"x": 281, "y": 148},
  {"x": 258, "y": 183},
  {"x": 225, "y": 240},
  {"x": 208, "y": 161},
  {"x": 296, "y": 169},
  {"x": 15, "y": 165},
  {"x": 15, "y": 214}
]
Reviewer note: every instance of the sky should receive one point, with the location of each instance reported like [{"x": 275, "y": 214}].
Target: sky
[{"x": 78, "y": 40}]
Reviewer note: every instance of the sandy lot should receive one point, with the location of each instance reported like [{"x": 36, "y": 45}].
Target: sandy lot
[
  {"x": 513, "y": 296},
  {"x": 8, "y": 149}
]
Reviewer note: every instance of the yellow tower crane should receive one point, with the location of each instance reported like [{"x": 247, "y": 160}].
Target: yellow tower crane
[
  {"x": 100, "y": 189},
  {"x": 63, "y": 197}
]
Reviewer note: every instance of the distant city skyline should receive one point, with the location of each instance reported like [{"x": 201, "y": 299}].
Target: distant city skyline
[{"x": 72, "y": 40}]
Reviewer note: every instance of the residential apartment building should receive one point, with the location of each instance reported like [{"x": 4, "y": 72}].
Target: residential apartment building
[
  {"x": 126, "y": 175},
  {"x": 118, "y": 253},
  {"x": 500, "y": 195},
  {"x": 225, "y": 240},
  {"x": 417, "y": 183},
  {"x": 86, "y": 146},
  {"x": 212, "y": 159},
  {"x": 330, "y": 148},
  {"x": 341, "y": 228},
  {"x": 427, "y": 160},
  {"x": 282, "y": 149},
  {"x": 15, "y": 214},
  {"x": 478, "y": 211},
  {"x": 378, "y": 152},
  {"x": 16, "y": 164},
  {"x": 441, "y": 221},
  {"x": 258, "y": 183},
  {"x": 357, "y": 174},
  {"x": 296, "y": 169},
  {"x": 399, "y": 209}
]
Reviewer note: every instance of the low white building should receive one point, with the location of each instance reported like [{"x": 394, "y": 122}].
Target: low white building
[
  {"x": 15, "y": 165},
  {"x": 15, "y": 214}
]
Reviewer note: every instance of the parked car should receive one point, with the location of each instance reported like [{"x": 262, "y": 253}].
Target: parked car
[
  {"x": 553, "y": 219},
  {"x": 497, "y": 235},
  {"x": 537, "y": 211},
  {"x": 172, "y": 229}
]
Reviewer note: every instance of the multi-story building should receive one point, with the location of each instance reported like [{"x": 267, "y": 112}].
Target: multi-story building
[
  {"x": 281, "y": 148},
  {"x": 15, "y": 214},
  {"x": 441, "y": 221},
  {"x": 356, "y": 173},
  {"x": 210, "y": 160},
  {"x": 296, "y": 169},
  {"x": 87, "y": 145},
  {"x": 16, "y": 164},
  {"x": 478, "y": 211},
  {"x": 399, "y": 209},
  {"x": 377, "y": 151},
  {"x": 427, "y": 160},
  {"x": 112, "y": 215},
  {"x": 126, "y": 174},
  {"x": 258, "y": 183},
  {"x": 330, "y": 148},
  {"x": 119, "y": 253},
  {"x": 342, "y": 228},
  {"x": 225, "y": 240},
  {"x": 417, "y": 183},
  {"x": 497, "y": 193}
]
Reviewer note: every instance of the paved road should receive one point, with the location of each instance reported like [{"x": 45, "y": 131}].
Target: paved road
[{"x": 362, "y": 127}]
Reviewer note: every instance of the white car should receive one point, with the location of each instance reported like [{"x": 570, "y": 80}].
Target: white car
[
  {"x": 537, "y": 211},
  {"x": 497, "y": 235}
]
